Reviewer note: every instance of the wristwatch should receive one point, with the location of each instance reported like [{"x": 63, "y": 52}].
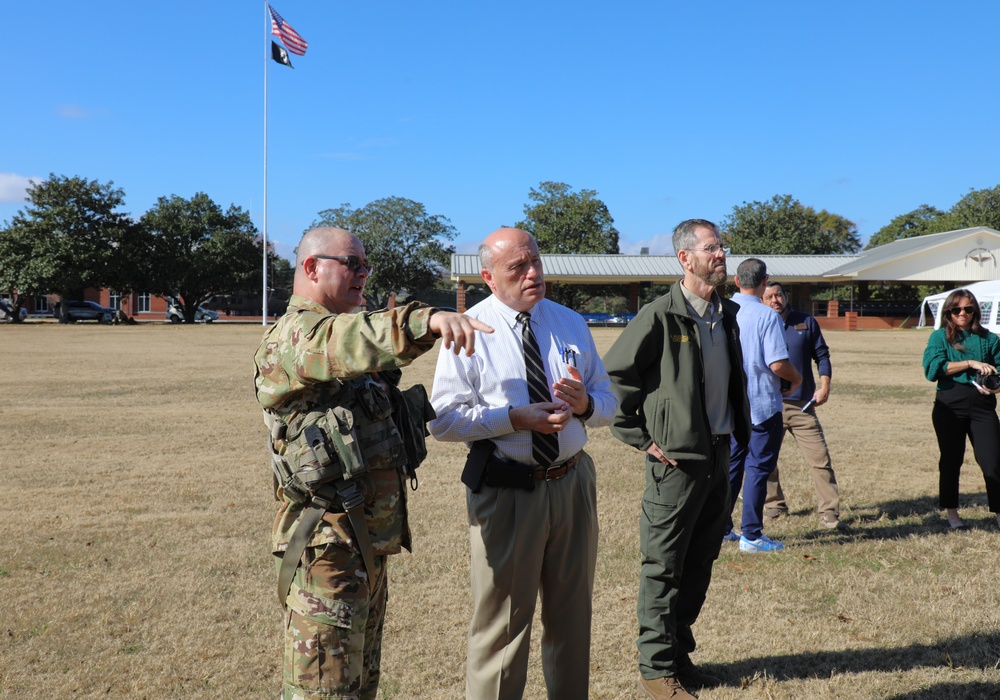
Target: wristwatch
[{"x": 585, "y": 416}]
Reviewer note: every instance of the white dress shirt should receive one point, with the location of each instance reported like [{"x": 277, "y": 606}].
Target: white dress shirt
[{"x": 472, "y": 396}]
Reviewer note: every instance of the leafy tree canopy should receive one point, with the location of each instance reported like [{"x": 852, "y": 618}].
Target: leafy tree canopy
[
  {"x": 199, "y": 251},
  {"x": 564, "y": 221},
  {"x": 784, "y": 226},
  {"x": 404, "y": 243},
  {"x": 922, "y": 220},
  {"x": 68, "y": 237},
  {"x": 977, "y": 208}
]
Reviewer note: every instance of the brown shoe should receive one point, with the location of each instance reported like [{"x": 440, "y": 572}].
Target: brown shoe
[
  {"x": 830, "y": 521},
  {"x": 694, "y": 678},
  {"x": 772, "y": 514},
  {"x": 665, "y": 689}
]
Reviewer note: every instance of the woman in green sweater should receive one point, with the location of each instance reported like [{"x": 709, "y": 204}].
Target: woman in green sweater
[{"x": 959, "y": 356}]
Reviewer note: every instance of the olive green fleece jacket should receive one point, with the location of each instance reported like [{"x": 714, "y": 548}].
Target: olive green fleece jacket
[{"x": 657, "y": 373}]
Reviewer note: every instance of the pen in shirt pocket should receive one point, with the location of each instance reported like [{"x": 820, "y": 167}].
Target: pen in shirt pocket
[{"x": 569, "y": 356}]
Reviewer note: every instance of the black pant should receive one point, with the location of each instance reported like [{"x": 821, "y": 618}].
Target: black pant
[{"x": 958, "y": 412}]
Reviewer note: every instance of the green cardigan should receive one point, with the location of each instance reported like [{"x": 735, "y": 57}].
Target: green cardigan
[{"x": 937, "y": 355}]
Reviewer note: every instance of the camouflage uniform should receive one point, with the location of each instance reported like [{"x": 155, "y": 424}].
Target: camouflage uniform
[{"x": 335, "y": 613}]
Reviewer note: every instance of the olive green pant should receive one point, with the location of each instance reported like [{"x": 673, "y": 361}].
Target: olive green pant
[
  {"x": 684, "y": 512},
  {"x": 333, "y": 626}
]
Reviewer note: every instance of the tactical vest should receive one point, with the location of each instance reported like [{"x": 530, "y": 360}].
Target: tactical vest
[{"x": 325, "y": 452}]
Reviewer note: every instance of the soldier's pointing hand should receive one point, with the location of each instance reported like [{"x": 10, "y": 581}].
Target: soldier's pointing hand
[{"x": 457, "y": 330}]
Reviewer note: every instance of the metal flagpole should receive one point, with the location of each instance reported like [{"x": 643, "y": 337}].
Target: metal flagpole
[{"x": 267, "y": 21}]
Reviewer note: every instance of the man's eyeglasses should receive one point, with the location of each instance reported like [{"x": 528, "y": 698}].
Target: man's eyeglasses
[
  {"x": 955, "y": 310},
  {"x": 713, "y": 249},
  {"x": 353, "y": 262}
]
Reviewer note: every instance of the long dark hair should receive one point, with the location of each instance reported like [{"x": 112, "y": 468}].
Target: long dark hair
[{"x": 950, "y": 329}]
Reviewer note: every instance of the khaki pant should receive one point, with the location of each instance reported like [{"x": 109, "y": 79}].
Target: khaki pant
[
  {"x": 526, "y": 543},
  {"x": 808, "y": 434}
]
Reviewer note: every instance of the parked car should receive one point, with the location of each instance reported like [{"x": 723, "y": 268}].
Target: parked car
[
  {"x": 596, "y": 318},
  {"x": 175, "y": 314},
  {"x": 88, "y": 311},
  {"x": 4, "y": 315},
  {"x": 620, "y": 319}
]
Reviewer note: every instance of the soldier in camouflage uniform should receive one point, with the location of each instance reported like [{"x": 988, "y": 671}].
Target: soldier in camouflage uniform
[{"x": 335, "y": 605}]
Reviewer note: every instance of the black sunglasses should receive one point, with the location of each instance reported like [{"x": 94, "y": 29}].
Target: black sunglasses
[
  {"x": 958, "y": 309},
  {"x": 353, "y": 262}
]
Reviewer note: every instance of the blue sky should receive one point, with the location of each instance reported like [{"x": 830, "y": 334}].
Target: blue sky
[{"x": 668, "y": 110}]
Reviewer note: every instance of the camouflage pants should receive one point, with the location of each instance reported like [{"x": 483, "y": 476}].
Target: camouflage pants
[{"x": 333, "y": 626}]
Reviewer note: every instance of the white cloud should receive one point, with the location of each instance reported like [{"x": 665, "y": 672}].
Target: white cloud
[
  {"x": 13, "y": 187},
  {"x": 70, "y": 111}
]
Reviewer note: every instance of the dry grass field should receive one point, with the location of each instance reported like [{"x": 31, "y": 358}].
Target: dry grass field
[{"x": 135, "y": 513}]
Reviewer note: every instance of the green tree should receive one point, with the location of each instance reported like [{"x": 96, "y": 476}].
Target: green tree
[
  {"x": 922, "y": 220},
  {"x": 70, "y": 236},
  {"x": 564, "y": 221},
  {"x": 977, "y": 208},
  {"x": 197, "y": 250},
  {"x": 16, "y": 278},
  {"x": 842, "y": 232},
  {"x": 404, "y": 243},
  {"x": 784, "y": 226},
  {"x": 280, "y": 278}
]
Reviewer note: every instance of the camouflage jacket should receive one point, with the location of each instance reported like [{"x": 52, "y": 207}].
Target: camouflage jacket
[{"x": 298, "y": 364}]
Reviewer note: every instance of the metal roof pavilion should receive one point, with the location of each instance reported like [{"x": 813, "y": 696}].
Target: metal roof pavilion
[{"x": 659, "y": 269}]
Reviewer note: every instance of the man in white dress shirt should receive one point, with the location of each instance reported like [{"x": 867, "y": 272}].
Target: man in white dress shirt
[{"x": 531, "y": 489}]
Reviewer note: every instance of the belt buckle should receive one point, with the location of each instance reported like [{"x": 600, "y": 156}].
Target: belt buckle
[{"x": 551, "y": 469}]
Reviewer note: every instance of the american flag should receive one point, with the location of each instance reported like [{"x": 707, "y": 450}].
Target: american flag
[{"x": 283, "y": 30}]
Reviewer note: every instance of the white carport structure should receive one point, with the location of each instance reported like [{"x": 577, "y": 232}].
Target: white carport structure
[{"x": 987, "y": 294}]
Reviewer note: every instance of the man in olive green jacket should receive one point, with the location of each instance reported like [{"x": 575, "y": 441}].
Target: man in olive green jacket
[{"x": 677, "y": 370}]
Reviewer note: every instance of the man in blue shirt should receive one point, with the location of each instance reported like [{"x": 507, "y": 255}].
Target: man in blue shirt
[
  {"x": 805, "y": 346},
  {"x": 765, "y": 360}
]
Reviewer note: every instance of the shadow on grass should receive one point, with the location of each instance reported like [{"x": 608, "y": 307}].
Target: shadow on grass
[
  {"x": 951, "y": 691},
  {"x": 972, "y": 651},
  {"x": 897, "y": 519}
]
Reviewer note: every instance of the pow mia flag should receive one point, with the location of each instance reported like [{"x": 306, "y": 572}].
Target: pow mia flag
[{"x": 279, "y": 54}]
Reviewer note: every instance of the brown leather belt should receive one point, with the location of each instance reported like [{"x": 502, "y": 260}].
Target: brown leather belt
[{"x": 557, "y": 471}]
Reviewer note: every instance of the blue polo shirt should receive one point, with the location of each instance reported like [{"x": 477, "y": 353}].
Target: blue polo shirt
[{"x": 762, "y": 336}]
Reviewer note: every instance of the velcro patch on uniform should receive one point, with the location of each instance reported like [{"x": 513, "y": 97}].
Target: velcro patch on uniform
[
  {"x": 801, "y": 327},
  {"x": 680, "y": 339}
]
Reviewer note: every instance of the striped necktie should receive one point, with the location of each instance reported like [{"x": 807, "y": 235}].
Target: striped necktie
[{"x": 544, "y": 446}]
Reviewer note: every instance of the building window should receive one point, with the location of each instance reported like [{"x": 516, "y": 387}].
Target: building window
[
  {"x": 41, "y": 304},
  {"x": 114, "y": 299},
  {"x": 143, "y": 303}
]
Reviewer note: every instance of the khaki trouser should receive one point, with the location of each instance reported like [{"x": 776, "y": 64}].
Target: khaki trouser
[
  {"x": 808, "y": 434},
  {"x": 525, "y": 543}
]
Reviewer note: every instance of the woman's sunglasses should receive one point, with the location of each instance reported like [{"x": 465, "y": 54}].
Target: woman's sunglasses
[{"x": 955, "y": 310}]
